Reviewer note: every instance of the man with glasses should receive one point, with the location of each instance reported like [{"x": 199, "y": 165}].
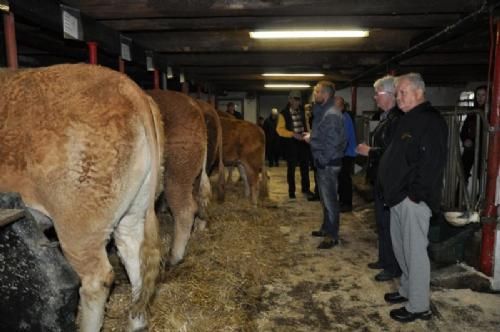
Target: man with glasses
[
  {"x": 292, "y": 124},
  {"x": 328, "y": 142},
  {"x": 385, "y": 97},
  {"x": 411, "y": 177}
]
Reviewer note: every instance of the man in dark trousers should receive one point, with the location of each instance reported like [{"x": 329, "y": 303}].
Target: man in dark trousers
[
  {"x": 328, "y": 142},
  {"x": 385, "y": 97},
  {"x": 411, "y": 177},
  {"x": 292, "y": 124},
  {"x": 272, "y": 138},
  {"x": 345, "y": 176}
]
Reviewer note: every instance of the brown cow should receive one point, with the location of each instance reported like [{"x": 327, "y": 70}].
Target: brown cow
[
  {"x": 244, "y": 146},
  {"x": 186, "y": 151},
  {"x": 214, "y": 153},
  {"x": 80, "y": 143}
]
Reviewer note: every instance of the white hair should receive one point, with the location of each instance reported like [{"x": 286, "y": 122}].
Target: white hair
[
  {"x": 415, "y": 79},
  {"x": 386, "y": 84}
]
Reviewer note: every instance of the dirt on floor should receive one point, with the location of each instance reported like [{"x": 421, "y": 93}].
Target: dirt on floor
[{"x": 258, "y": 269}]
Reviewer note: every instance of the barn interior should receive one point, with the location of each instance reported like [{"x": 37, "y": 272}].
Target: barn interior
[{"x": 258, "y": 269}]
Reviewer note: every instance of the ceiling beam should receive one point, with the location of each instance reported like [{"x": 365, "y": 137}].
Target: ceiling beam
[
  {"x": 412, "y": 21},
  {"x": 108, "y": 9}
]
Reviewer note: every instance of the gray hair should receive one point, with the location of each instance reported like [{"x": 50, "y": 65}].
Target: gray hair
[
  {"x": 415, "y": 80},
  {"x": 386, "y": 84}
]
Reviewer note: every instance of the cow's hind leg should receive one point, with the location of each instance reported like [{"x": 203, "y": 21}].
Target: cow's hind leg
[
  {"x": 251, "y": 183},
  {"x": 96, "y": 275},
  {"x": 244, "y": 175},
  {"x": 129, "y": 236},
  {"x": 183, "y": 208},
  {"x": 137, "y": 240}
]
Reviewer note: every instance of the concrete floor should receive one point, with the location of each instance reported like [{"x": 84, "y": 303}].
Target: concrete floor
[{"x": 333, "y": 290}]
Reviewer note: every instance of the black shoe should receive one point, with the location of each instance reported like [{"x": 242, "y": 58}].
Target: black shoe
[
  {"x": 327, "y": 244},
  {"x": 308, "y": 193},
  {"x": 385, "y": 276},
  {"x": 375, "y": 265},
  {"x": 345, "y": 208},
  {"x": 291, "y": 195},
  {"x": 394, "y": 298},
  {"x": 313, "y": 198},
  {"x": 318, "y": 233},
  {"x": 404, "y": 316}
]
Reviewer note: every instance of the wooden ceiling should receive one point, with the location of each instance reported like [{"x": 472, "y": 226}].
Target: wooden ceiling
[{"x": 208, "y": 40}]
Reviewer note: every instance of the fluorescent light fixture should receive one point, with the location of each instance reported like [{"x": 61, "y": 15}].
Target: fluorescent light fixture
[
  {"x": 288, "y": 34},
  {"x": 293, "y": 75},
  {"x": 286, "y": 86}
]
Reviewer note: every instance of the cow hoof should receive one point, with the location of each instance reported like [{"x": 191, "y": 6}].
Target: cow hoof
[
  {"x": 175, "y": 261},
  {"x": 137, "y": 324},
  {"x": 200, "y": 225}
]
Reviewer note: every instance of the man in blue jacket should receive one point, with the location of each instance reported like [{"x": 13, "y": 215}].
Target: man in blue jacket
[
  {"x": 328, "y": 142},
  {"x": 411, "y": 178},
  {"x": 345, "y": 175}
]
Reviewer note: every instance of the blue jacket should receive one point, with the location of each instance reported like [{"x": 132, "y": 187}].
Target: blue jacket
[
  {"x": 350, "y": 150},
  {"x": 328, "y": 139}
]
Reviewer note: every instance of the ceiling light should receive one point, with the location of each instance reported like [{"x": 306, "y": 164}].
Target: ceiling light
[
  {"x": 287, "y": 34},
  {"x": 294, "y": 75},
  {"x": 286, "y": 86}
]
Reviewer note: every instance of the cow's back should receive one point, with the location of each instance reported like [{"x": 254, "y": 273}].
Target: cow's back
[{"x": 47, "y": 115}]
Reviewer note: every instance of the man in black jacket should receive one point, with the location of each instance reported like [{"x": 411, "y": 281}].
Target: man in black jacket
[
  {"x": 385, "y": 97},
  {"x": 411, "y": 178}
]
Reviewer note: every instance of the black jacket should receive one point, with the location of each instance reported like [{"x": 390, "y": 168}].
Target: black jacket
[
  {"x": 382, "y": 137},
  {"x": 413, "y": 164}
]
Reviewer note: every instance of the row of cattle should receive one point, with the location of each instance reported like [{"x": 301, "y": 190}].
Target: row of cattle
[{"x": 89, "y": 150}]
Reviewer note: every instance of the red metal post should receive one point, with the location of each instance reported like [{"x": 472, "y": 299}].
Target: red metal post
[
  {"x": 121, "y": 65},
  {"x": 10, "y": 40},
  {"x": 92, "y": 52},
  {"x": 156, "y": 79},
  {"x": 354, "y": 99},
  {"x": 490, "y": 213}
]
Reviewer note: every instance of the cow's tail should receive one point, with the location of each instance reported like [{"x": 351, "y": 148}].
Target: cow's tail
[
  {"x": 205, "y": 191},
  {"x": 221, "y": 181},
  {"x": 264, "y": 185},
  {"x": 151, "y": 252}
]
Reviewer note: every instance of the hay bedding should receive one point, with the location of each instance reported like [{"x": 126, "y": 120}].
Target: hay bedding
[
  {"x": 259, "y": 270},
  {"x": 218, "y": 285}
]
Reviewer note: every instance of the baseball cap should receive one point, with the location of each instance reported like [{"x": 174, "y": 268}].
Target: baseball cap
[{"x": 295, "y": 94}]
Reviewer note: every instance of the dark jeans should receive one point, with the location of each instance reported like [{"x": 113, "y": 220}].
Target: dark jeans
[
  {"x": 385, "y": 252},
  {"x": 298, "y": 155},
  {"x": 345, "y": 181},
  {"x": 327, "y": 181},
  {"x": 273, "y": 154}
]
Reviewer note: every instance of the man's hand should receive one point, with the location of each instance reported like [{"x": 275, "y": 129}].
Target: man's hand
[
  {"x": 297, "y": 136},
  {"x": 468, "y": 143},
  {"x": 306, "y": 137},
  {"x": 363, "y": 149}
]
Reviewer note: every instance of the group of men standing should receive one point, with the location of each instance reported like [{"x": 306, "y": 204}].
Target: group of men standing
[
  {"x": 285, "y": 133},
  {"x": 408, "y": 157}
]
